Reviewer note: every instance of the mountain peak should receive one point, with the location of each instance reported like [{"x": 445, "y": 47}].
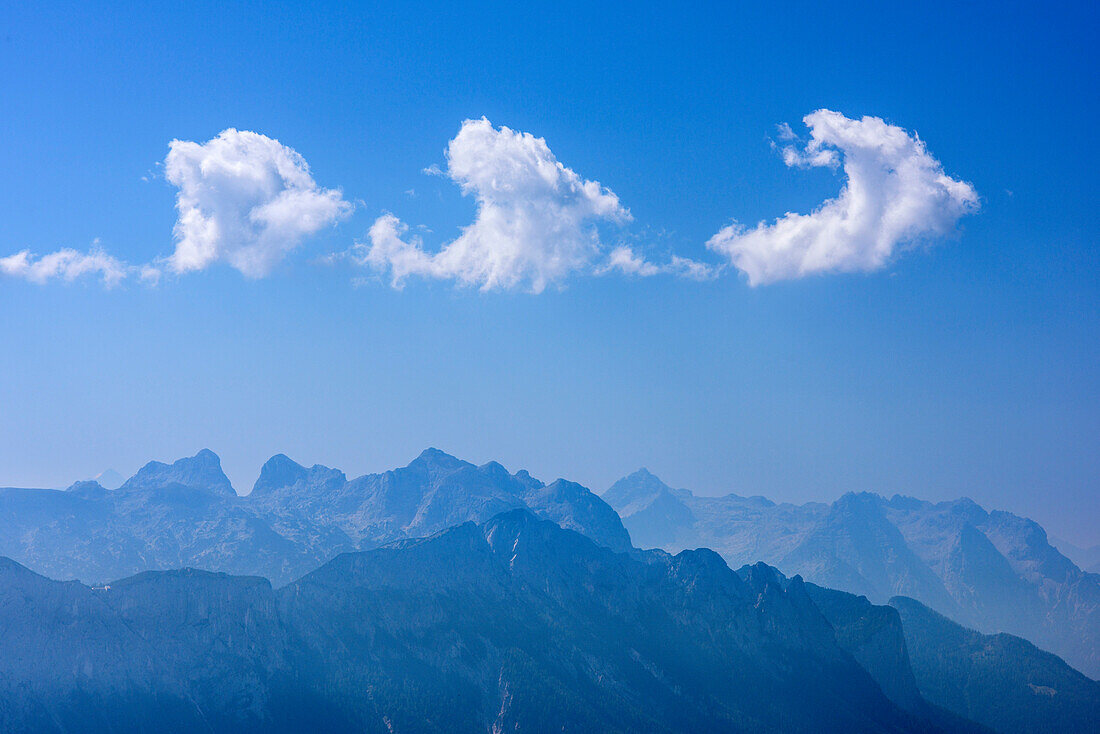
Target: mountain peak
[
  {"x": 514, "y": 520},
  {"x": 494, "y": 469},
  {"x": 433, "y": 454},
  {"x": 86, "y": 488},
  {"x": 277, "y": 472},
  {"x": 109, "y": 479},
  {"x": 859, "y": 503},
  {"x": 201, "y": 471},
  {"x": 433, "y": 460},
  {"x": 969, "y": 509},
  {"x": 640, "y": 487},
  {"x": 760, "y": 575},
  {"x": 281, "y": 471},
  {"x": 524, "y": 477}
]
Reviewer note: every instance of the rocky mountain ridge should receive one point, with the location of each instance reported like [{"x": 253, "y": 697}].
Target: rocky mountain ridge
[
  {"x": 1001, "y": 681},
  {"x": 989, "y": 570},
  {"x": 511, "y": 625},
  {"x": 186, "y": 514}
]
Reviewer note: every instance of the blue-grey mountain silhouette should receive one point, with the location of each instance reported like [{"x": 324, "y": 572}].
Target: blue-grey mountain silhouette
[
  {"x": 512, "y": 625},
  {"x": 1002, "y": 681},
  {"x": 187, "y": 514},
  {"x": 992, "y": 571}
]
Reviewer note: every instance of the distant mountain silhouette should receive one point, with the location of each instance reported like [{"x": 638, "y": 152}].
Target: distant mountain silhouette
[
  {"x": 992, "y": 571},
  {"x": 511, "y": 625},
  {"x": 1086, "y": 558},
  {"x": 1001, "y": 680},
  {"x": 203, "y": 471},
  {"x": 188, "y": 514},
  {"x": 930, "y": 665},
  {"x": 514, "y": 613}
]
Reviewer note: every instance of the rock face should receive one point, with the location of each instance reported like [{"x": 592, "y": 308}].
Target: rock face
[
  {"x": 1001, "y": 680},
  {"x": 221, "y": 635},
  {"x": 513, "y": 625},
  {"x": 874, "y": 637},
  {"x": 186, "y": 514},
  {"x": 992, "y": 571},
  {"x": 69, "y": 663}
]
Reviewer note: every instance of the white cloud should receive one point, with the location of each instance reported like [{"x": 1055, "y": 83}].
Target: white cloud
[
  {"x": 628, "y": 262},
  {"x": 691, "y": 269},
  {"x": 896, "y": 194},
  {"x": 245, "y": 199},
  {"x": 68, "y": 265},
  {"x": 149, "y": 274},
  {"x": 625, "y": 260},
  {"x": 403, "y": 257},
  {"x": 536, "y": 219}
]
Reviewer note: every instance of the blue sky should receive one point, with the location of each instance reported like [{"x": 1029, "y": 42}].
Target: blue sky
[{"x": 963, "y": 365}]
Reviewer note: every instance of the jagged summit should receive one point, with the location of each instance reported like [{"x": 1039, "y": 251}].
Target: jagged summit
[
  {"x": 86, "y": 488},
  {"x": 759, "y": 575},
  {"x": 434, "y": 460},
  {"x": 278, "y": 471},
  {"x": 201, "y": 471},
  {"x": 641, "y": 486},
  {"x": 860, "y": 501},
  {"x": 643, "y": 474},
  {"x": 652, "y": 508},
  {"x": 495, "y": 469},
  {"x": 295, "y": 518}
]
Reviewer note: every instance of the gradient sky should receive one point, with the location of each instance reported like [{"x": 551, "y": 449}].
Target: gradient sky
[{"x": 967, "y": 366}]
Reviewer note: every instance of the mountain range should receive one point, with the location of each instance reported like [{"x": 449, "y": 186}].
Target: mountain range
[
  {"x": 511, "y": 625},
  {"x": 446, "y": 596},
  {"x": 990, "y": 571},
  {"x": 187, "y": 514}
]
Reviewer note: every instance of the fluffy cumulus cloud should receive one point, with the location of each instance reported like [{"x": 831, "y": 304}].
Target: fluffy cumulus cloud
[
  {"x": 68, "y": 265},
  {"x": 245, "y": 199},
  {"x": 896, "y": 194},
  {"x": 536, "y": 219}
]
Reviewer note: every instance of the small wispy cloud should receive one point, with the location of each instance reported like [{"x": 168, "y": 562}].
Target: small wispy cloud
[
  {"x": 896, "y": 194},
  {"x": 623, "y": 259},
  {"x": 784, "y": 132},
  {"x": 68, "y": 265}
]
